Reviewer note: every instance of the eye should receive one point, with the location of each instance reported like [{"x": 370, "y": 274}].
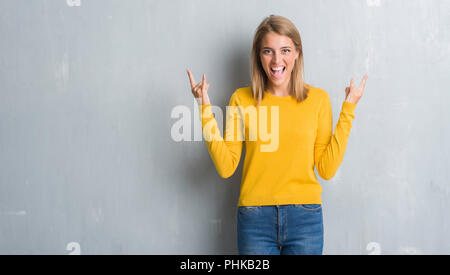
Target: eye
[
  {"x": 265, "y": 51},
  {"x": 286, "y": 50}
]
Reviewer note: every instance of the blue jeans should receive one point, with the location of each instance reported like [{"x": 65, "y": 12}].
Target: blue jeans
[{"x": 280, "y": 229}]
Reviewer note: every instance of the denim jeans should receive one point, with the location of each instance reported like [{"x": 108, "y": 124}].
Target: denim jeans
[{"x": 280, "y": 229}]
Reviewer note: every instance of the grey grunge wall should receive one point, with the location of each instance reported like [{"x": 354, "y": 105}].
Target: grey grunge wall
[{"x": 89, "y": 163}]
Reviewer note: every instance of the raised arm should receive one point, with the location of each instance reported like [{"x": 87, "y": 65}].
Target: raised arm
[
  {"x": 329, "y": 148},
  {"x": 225, "y": 153}
]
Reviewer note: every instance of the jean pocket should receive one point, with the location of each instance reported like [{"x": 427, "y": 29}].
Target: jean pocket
[
  {"x": 247, "y": 209},
  {"x": 310, "y": 207}
]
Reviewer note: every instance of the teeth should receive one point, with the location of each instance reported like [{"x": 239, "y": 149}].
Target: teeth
[{"x": 277, "y": 69}]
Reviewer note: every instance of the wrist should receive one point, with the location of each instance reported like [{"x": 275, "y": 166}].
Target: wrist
[
  {"x": 200, "y": 101},
  {"x": 351, "y": 100}
]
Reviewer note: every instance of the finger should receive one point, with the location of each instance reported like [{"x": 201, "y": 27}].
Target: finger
[
  {"x": 363, "y": 83},
  {"x": 198, "y": 85},
  {"x": 203, "y": 82},
  {"x": 191, "y": 78},
  {"x": 197, "y": 89},
  {"x": 352, "y": 81}
]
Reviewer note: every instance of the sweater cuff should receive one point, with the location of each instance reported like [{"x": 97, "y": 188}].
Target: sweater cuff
[{"x": 348, "y": 107}]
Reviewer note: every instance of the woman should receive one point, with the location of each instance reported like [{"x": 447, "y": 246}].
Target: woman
[{"x": 280, "y": 207}]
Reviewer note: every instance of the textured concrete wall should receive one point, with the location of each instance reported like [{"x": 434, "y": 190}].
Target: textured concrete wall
[{"x": 88, "y": 163}]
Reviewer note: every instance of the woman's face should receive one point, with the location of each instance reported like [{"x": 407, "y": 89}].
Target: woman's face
[{"x": 278, "y": 55}]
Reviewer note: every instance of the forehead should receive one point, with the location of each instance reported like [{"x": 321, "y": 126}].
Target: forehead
[{"x": 274, "y": 40}]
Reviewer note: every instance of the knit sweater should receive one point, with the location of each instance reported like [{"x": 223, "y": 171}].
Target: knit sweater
[{"x": 284, "y": 141}]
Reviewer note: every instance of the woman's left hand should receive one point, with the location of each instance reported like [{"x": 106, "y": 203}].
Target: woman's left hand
[{"x": 353, "y": 94}]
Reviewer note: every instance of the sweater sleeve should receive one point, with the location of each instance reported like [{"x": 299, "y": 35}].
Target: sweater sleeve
[
  {"x": 225, "y": 153},
  {"x": 329, "y": 149}
]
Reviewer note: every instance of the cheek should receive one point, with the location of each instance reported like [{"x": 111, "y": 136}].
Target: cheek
[
  {"x": 292, "y": 60},
  {"x": 265, "y": 60},
  {"x": 265, "y": 64},
  {"x": 291, "y": 63}
]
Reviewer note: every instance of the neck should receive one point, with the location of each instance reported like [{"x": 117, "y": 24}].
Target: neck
[{"x": 279, "y": 90}]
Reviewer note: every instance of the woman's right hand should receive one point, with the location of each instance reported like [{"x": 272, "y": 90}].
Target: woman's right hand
[{"x": 199, "y": 90}]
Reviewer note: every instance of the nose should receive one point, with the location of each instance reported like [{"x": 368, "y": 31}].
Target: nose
[{"x": 276, "y": 57}]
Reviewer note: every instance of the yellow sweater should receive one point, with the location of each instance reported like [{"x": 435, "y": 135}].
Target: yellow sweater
[{"x": 284, "y": 140}]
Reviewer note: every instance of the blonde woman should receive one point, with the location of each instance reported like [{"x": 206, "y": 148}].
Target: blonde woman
[{"x": 286, "y": 125}]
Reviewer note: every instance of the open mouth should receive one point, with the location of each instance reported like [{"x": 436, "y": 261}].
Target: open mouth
[{"x": 278, "y": 72}]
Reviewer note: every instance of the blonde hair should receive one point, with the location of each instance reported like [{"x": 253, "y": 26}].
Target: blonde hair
[{"x": 282, "y": 26}]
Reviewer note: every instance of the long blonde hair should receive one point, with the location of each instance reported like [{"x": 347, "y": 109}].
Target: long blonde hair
[{"x": 281, "y": 26}]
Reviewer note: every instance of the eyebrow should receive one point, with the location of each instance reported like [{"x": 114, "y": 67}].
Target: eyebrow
[{"x": 280, "y": 48}]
